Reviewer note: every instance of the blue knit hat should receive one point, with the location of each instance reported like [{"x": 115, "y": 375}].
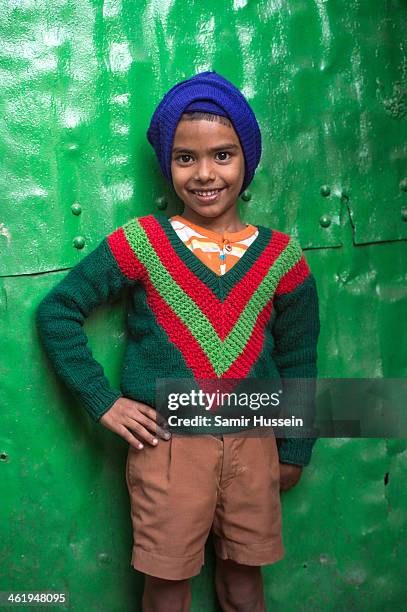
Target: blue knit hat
[{"x": 208, "y": 92}]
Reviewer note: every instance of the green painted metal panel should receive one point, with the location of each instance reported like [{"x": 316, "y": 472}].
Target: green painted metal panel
[
  {"x": 80, "y": 80},
  {"x": 65, "y": 504}
]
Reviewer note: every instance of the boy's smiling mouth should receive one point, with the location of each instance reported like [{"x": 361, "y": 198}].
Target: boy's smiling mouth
[{"x": 207, "y": 195}]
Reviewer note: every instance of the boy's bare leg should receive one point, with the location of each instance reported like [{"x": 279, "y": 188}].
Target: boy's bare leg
[
  {"x": 239, "y": 587},
  {"x": 166, "y": 595}
]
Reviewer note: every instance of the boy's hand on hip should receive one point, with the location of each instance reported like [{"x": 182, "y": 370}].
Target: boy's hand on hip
[
  {"x": 127, "y": 416},
  {"x": 289, "y": 475}
]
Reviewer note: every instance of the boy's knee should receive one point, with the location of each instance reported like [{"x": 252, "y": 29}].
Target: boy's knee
[
  {"x": 161, "y": 595},
  {"x": 240, "y": 587}
]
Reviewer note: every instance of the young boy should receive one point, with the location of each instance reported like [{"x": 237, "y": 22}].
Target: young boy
[{"x": 213, "y": 298}]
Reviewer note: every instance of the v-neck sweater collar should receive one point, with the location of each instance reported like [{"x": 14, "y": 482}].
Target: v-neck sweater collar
[
  {"x": 221, "y": 285},
  {"x": 218, "y": 237}
]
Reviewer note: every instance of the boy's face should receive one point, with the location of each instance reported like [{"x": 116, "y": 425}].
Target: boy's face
[{"x": 207, "y": 166}]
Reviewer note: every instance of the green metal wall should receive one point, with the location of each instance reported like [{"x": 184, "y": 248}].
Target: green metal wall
[{"x": 79, "y": 81}]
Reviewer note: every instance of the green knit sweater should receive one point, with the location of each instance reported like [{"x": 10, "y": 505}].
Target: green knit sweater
[{"x": 259, "y": 320}]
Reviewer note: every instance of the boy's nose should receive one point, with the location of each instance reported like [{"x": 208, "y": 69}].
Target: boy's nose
[{"x": 204, "y": 171}]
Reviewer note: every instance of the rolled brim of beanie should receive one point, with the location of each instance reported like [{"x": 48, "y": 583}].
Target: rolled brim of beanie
[
  {"x": 205, "y": 106},
  {"x": 205, "y": 87}
]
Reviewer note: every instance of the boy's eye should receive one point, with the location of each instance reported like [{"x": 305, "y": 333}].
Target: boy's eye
[
  {"x": 182, "y": 158},
  {"x": 223, "y": 153}
]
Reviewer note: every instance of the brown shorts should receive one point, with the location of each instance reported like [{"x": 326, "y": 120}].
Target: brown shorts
[{"x": 188, "y": 485}]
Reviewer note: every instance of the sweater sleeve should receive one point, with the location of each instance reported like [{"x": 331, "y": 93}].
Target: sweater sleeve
[
  {"x": 296, "y": 330},
  {"x": 60, "y": 318}
]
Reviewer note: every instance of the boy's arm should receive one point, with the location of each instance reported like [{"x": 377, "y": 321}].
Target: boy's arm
[
  {"x": 296, "y": 330},
  {"x": 60, "y": 318}
]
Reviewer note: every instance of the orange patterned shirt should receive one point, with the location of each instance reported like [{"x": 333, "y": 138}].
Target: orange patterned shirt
[{"x": 218, "y": 251}]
